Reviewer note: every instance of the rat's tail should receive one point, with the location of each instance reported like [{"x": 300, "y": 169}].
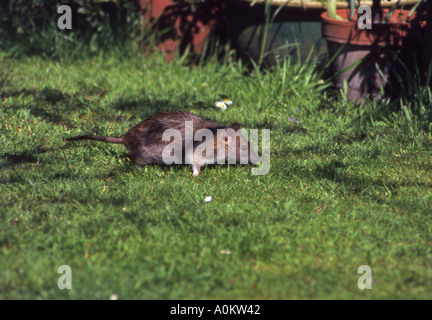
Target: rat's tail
[{"x": 97, "y": 138}]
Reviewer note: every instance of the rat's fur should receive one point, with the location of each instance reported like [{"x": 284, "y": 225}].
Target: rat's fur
[{"x": 145, "y": 143}]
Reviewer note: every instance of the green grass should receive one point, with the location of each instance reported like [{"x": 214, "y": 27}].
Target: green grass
[{"x": 349, "y": 185}]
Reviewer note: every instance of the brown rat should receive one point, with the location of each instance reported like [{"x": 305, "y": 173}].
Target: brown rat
[{"x": 147, "y": 142}]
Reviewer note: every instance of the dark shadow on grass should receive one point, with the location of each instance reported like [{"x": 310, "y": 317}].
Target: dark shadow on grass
[
  {"x": 50, "y": 104},
  {"x": 4, "y": 94},
  {"x": 332, "y": 146},
  {"x": 335, "y": 172},
  {"x": 348, "y": 139},
  {"x": 57, "y": 107},
  {"x": 287, "y": 127},
  {"x": 144, "y": 107},
  {"x": 47, "y": 94},
  {"x": 26, "y": 156},
  {"x": 23, "y": 157}
]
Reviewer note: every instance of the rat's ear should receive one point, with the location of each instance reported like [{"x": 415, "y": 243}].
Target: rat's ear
[{"x": 235, "y": 126}]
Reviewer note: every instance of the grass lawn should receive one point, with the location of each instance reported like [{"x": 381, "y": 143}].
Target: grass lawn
[{"x": 349, "y": 185}]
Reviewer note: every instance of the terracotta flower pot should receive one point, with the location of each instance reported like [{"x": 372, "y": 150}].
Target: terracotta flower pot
[
  {"x": 369, "y": 59},
  {"x": 179, "y": 24}
]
